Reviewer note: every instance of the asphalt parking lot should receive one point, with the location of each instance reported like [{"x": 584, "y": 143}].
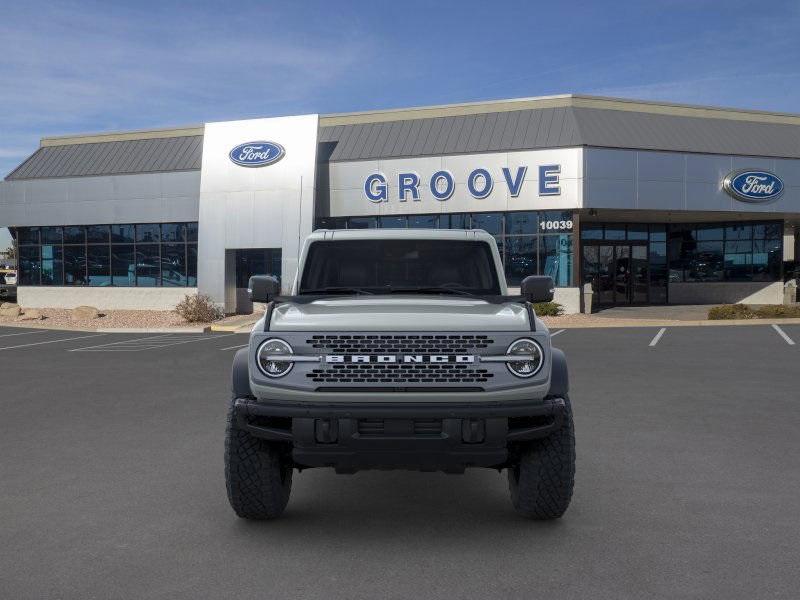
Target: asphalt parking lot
[{"x": 688, "y": 486}]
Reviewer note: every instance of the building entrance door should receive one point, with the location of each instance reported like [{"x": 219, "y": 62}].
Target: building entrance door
[
  {"x": 254, "y": 261},
  {"x": 618, "y": 272}
]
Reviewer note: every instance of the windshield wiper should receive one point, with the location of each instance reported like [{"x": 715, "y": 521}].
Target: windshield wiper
[
  {"x": 441, "y": 289},
  {"x": 335, "y": 290}
]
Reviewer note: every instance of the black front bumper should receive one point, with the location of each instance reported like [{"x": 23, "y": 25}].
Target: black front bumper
[{"x": 432, "y": 437}]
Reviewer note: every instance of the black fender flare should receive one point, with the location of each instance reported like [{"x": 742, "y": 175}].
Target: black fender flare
[
  {"x": 240, "y": 375},
  {"x": 559, "y": 377}
]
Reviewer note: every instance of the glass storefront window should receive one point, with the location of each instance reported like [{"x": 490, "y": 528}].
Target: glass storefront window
[
  {"x": 98, "y": 259},
  {"x": 591, "y": 231},
  {"x": 191, "y": 232},
  {"x": 191, "y": 267},
  {"x": 739, "y": 231},
  {"x": 27, "y": 235},
  {"x": 517, "y": 234},
  {"x": 638, "y": 232},
  {"x": 614, "y": 231},
  {"x": 489, "y": 222},
  {"x": 173, "y": 232},
  {"x": 97, "y": 234},
  {"x": 122, "y": 234},
  {"x": 74, "y": 235},
  {"x": 454, "y": 221},
  {"x": 29, "y": 264},
  {"x": 394, "y": 222},
  {"x": 520, "y": 258},
  {"x": 423, "y": 222},
  {"x": 522, "y": 223},
  {"x": 107, "y": 255},
  {"x": 331, "y": 223},
  {"x": 362, "y": 223},
  {"x": 555, "y": 258},
  {"x": 148, "y": 233},
  {"x": 708, "y": 233},
  {"x": 148, "y": 265},
  {"x": 52, "y": 265},
  {"x": 123, "y": 265},
  {"x": 75, "y": 265},
  {"x": 658, "y": 233},
  {"x": 726, "y": 252},
  {"x": 173, "y": 265},
  {"x": 52, "y": 235}
]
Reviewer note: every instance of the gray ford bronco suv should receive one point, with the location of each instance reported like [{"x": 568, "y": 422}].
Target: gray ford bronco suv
[{"x": 400, "y": 349}]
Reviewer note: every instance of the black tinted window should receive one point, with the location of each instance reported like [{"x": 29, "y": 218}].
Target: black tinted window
[{"x": 381, "y": 265}]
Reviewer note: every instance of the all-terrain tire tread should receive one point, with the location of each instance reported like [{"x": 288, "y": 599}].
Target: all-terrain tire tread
[
  {"x": 257, "y": 480},
  {"x": 541, "y": 484}
]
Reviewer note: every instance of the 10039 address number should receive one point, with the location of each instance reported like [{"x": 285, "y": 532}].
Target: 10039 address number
[{"x": 565, "y": 225}]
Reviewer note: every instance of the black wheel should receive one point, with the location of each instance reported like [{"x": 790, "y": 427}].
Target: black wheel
[
  {"x": 541, "y": 481},
  {"x": 257, "y": 477}
]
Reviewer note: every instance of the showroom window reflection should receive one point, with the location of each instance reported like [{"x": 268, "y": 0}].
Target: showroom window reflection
[
  {"x": 131, "y": 255},
  {"x": 530, "y": 242}
]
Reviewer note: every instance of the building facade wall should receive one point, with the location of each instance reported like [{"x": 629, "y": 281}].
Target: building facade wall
[
  {"x": 266, "y": 207},
  {"x": 347, "y": 180},
  {"x": 140, "y": 198},
  {"x": 103, "y": 298},
  {"x": 726, "y": 292},
  {"x": 673, "y": 181}
]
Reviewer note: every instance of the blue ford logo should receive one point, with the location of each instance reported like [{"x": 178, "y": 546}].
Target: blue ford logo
[
  {"x": 753, "y": 186},
  {"x": 257, "y": 154}
]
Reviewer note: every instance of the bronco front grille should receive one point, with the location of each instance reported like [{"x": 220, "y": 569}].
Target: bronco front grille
[
  {"x": 400, "y": 373},
  {"x": 399, "y": 344}
]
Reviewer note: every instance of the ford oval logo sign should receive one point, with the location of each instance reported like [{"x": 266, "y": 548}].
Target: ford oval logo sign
[
  {"x": 753, "y": 186},
  {"x": 257, "y": 154}
]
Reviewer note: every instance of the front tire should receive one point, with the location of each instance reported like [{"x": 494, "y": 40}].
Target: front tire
[
  {"x": 257, "y": 476},
  {"x": 542, "y": 480}
]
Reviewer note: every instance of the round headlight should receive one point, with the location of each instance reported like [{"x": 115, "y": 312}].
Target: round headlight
[
  {"x": 273, "y": 368},
  {"x": 529, "y": 348}
]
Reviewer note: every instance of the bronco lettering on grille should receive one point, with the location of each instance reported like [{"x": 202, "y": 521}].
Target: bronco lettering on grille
[{"x": 393, "y": 358}]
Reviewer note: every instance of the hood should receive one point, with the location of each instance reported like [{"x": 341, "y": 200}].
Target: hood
[{"x": 400, "y": 313}]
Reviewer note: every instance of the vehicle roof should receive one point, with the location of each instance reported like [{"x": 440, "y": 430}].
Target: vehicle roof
[{"x": 400, "y": 234}]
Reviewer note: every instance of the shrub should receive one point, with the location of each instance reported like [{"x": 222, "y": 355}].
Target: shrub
[
  {"x": 746, "y": 311},
  {"x": 198, "y": 308},
  {"x": 548, "y": 309},
  {"x": 731, "y": 311},
  {"x": 778, "y": 311}
]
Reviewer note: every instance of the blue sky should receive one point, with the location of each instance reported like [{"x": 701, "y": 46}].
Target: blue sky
[{"x": 74, "y": 67}]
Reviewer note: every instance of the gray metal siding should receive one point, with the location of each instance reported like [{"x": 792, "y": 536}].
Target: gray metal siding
[
  {"x": 561, "y": 127},
  {"x": 156, "y": 155},
  {"x": 647, "y": 131},
  {"x": 529, "y": 129}
]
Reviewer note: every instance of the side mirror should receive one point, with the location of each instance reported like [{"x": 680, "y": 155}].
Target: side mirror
[
  {"x": 263, "y": 288},
  {"x": 538, "y": 288}
]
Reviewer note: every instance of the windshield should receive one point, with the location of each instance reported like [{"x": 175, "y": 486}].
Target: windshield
[{"x": 400, "y": 266}]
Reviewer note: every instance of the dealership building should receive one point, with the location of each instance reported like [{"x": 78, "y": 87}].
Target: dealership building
[{"x": 650, "y": 203}]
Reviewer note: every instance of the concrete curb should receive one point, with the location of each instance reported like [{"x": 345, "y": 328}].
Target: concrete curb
[
  {"x": 38, "y": 325},
  {"x": 667, "y": 323},
  {"x": 154, "y": 330}
]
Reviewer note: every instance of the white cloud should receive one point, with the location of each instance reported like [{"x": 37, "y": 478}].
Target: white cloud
[{"x": 70, "y": 68}]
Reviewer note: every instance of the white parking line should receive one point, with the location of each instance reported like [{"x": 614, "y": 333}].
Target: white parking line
[
  {"x": 25, "y": 333},
  {"x": 83, "y": 337},
  {"x": 782, "y": 333},
  {"x": 654, "y": 341},
  {"x": 234, "y": 347},
  {"x": 555, "y": 333},
  {"x": 121, "y": 342},
  {"x": 152, "y": 343}
]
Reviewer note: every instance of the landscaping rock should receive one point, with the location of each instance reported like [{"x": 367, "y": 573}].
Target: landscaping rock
[
  {"x": 8, "y": 304},
  {"x": 84, "y": 313},
  {"x": 11, "y": 311},
  {"x": 31, "y": 315}
]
